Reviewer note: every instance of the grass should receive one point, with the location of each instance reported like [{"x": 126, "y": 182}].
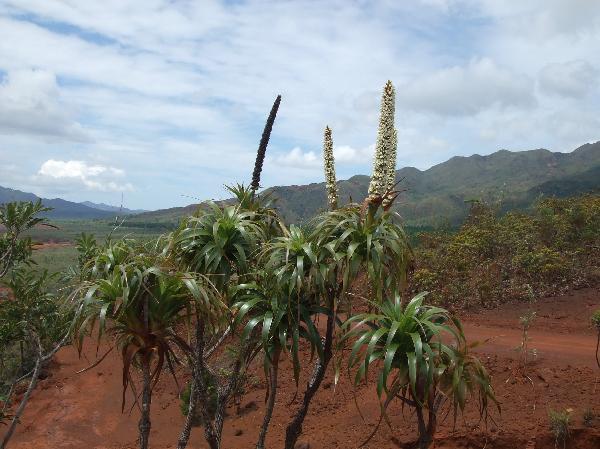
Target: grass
[
  {"x": 68, "y": 230},
  {"x": 559, "y": 426},
  {"x": 55, "y": 259}
]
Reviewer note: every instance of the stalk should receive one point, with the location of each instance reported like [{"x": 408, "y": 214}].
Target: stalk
[
  {"x": 144, "y": 423},
  {"x": 329, "y": 165},
  {"x": 25, "y": 400},
  {"x": 391, "y": 169},
  {"x": 262, "y": 147},
  {"x": 273, "y": 372},
  {"x": 294, "y": 428},
  {"x": 385, "y": 142}
]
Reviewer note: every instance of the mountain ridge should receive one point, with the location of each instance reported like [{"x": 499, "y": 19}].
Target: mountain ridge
[
  {"x": 432, "y": 196},
  {"x": 437, "y": 195},
  {"x": 61, "y": 209}
]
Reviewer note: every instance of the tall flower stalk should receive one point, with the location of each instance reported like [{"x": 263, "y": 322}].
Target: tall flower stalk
[
  {"x": 391, "y": 169},
  {"x": 329, "y": 165},
  {"x": 262, "y": 147},
  {"x": 384, "y": 145}
]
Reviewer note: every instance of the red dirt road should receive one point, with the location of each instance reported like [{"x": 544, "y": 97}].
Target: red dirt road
[{"x": 71, "y": 410}]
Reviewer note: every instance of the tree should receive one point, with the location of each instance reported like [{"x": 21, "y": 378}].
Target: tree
[
  {"x": 136, "y": 297},
  {"x": 221, "y": 243},
  {"x": 33, "y": 320},
  {"x": 414, "y": 365}
]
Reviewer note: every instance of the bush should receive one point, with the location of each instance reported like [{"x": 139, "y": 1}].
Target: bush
[
  {"x": 559, "y": 425},
  {"x": 492, "y": 258}
]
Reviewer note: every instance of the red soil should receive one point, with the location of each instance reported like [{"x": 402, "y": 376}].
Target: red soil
[{"x": 71, "y": 410}]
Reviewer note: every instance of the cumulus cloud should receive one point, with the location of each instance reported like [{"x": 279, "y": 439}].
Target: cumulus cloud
[
  {"x": 569, "y": 79},
  {"x": 30, "y": 104},
  {"x": 92, "y": 177},
  {"x": 297, "y": 158},
  {"x": 467, "y": 90},
  {"x": 185, "y": 83},
  {"x": 343, "y": 154}
]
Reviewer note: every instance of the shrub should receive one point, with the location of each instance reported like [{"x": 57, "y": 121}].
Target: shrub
[
  {"x": 493, "y": 258},
  {"x": 588, "y": 417},
  {"x": 559, "y": 426}
]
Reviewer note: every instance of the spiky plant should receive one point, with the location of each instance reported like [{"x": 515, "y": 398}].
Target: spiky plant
[
  {"x": 329, "y": 164},
  {"x": 262, "y": 147},
  {"x": 385, "y": 142},
  {"x": 414, "y": 364},
  {"x": 560, "y": 426}
]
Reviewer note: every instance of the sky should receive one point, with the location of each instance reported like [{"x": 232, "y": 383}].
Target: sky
[{"x": 164, "y": 101}]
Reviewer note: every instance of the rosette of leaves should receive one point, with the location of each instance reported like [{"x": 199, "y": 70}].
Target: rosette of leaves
[{"x": 414, "y": 365}]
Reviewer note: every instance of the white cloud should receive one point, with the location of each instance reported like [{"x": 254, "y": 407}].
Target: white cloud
[
  {"x": 570, "y": 79},
  {"x": 467, "y": 90},
  {"x": 93, "y": 177},
  {"x": 297, "y": 158},
  {"x": 168, "y": 90},
  {"x": 345, "y": 154},
  {"x": 30, "y": 103}
]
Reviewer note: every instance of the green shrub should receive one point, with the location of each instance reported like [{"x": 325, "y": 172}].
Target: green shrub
[
  {"x": 588, "y": 417},
  {"x": 491, "y": 258},
  {"x": 559, "y": 426}
]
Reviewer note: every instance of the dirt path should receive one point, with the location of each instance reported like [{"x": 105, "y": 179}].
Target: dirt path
[{"x": 83, "y": 410}]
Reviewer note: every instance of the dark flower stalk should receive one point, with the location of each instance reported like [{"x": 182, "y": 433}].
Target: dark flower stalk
[{"x": 262, "y": 148}]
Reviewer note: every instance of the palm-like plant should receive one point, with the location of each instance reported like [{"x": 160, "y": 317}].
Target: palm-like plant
[
  {"x": 140, "y": 303},
  {"x": 375, "y": 243},
  {"x": 274, "y": 321},
  {"x": 221, "y": 242},
  {"x": 218, "y": 242},
  {"x": 415, "y": 366}
]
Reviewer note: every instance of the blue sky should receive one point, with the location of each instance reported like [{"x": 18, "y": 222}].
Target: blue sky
[{"x": 165, "y": 99}]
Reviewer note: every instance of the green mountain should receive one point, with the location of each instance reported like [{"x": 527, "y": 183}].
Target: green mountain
[
  {"x": 437, "y": 195},
  {"x": 61, "y": 209},
  {"x": 430, "y": 197}
]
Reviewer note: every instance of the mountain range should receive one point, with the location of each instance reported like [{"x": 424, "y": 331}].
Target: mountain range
[
  {"x": 429, "y": 197},
  {"x": 63, "y": 209},
  {"x": 438, "y": 195}
]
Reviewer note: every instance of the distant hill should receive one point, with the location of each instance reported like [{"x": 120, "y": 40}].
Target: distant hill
[
  {"x": 434, "y": 196},
  {"x": 437, "y": 195},
  {"x": 109, "y": 208},
  {"x": 61, "y": 209}
]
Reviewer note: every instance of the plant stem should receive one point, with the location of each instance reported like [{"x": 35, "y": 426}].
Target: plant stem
[
  {"x": 294, "y": 428},
  {"x": 144, "y": 423},
  {"x": 273, "y": 371},
  {"x": 598, "y": 348},
  {"x": 184, "y": 436},
  {"x": 32, "y": 384}
]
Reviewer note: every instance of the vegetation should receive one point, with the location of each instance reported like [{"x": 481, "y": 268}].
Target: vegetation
[
  {"x": 596, "y": 324},
  {"x": 415, "y": 367},
  {"x": 588, "y": 417},
  {"x": 494, "y": 258},
  {"x": 526, "y": 321},
  {"x": 560, "y": 421},
  {"x": 333, "y": 293},
  {"x": 32, "y": 326}
]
